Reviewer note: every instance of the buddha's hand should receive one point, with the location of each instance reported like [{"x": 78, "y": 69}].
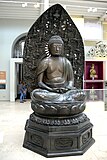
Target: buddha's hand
[{"x": 60, "y": 90}]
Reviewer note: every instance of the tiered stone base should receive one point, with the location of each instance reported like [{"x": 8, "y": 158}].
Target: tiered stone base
[{"x": 55, "y": 137}]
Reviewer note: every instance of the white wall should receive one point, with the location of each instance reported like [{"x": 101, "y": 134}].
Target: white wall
[
  {"x": 9, "y": 30},
  {"x": 93, "y": 30},
  {"x": 79, "y": 22}
]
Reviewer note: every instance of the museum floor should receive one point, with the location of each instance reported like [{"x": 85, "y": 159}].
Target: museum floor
[{"x": 13, "y": 116}]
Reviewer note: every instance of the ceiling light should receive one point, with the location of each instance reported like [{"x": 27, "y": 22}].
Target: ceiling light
[
  {"x": 90, "y": 9},
  {"x": 36, "y": 5},
  {"x": 24, "y": 4},
  {"x": 94, "y": 9}
]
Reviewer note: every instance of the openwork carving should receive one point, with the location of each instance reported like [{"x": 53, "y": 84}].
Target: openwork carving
[
  {"x": 99, "y": 50},
  {"x": 54, "y": 21}
]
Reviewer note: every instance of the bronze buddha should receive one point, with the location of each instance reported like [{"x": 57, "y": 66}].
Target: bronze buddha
[
  {"x": 57, "y": 126},
  {"x": 55, "y": 77}
]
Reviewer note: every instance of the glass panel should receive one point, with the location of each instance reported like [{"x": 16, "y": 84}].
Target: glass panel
[{"x": 18, "y": 48}]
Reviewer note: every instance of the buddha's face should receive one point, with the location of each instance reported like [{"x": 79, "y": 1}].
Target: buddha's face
[{"x": 56, "y": 48}]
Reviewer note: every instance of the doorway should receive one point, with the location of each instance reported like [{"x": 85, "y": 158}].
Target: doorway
[{"x": 16, "y": 66}]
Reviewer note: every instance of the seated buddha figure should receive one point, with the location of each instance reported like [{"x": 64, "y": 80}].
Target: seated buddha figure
[{"x": 55, "y": 77}]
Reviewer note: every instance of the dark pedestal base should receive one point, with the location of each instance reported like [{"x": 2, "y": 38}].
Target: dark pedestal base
[{"x": 58, "y": 139}]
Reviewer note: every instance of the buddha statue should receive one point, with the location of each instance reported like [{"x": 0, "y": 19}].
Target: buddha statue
[
  {"x": 93, "y": 73},
  {"x": 55, "y": 81},
  {"x": 57, "y": 126}
]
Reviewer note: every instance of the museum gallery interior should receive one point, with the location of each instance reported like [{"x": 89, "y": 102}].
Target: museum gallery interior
[{"x": 59, "y": 51}]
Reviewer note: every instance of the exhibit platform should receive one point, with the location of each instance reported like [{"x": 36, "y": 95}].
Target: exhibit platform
[{"x": 13, "y": 116}]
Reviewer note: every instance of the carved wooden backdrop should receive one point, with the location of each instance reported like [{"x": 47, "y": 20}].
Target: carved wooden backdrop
[{"x": 54, "y": 21}]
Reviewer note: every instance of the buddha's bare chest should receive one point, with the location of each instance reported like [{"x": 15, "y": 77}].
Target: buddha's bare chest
[{"x": 55, "y": 66}]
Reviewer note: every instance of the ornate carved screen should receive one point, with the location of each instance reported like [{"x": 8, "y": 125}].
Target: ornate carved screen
[
  {"x": 98, "y": 51},
  {"x": 54, "y": 21}
]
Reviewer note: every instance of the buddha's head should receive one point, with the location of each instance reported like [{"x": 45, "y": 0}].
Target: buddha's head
[{"x": 55, "y": 45}]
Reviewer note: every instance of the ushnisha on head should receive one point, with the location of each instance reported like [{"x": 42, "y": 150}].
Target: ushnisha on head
[
  {"x": 55, "y": 39},
  {"x": 55, "y": 45}
]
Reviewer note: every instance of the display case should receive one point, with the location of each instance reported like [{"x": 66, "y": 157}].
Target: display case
[
  {"x": 95, "y": 73},
  {"x": 94, "y": 79}
]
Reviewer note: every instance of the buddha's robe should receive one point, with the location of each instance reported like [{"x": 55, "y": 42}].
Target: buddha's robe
[{"x": 65, "y": 81}]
